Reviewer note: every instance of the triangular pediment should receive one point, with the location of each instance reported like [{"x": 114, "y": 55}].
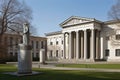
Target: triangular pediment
[{"x": 75, "y": 20}]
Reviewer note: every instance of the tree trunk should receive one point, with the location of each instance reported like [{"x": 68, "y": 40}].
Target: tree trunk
[{"x": 3, "y": 50}]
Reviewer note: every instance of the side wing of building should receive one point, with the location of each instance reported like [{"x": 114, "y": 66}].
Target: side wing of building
[
  {"x": 13, "y": 40},
  {"x": 55, "y": 45}
]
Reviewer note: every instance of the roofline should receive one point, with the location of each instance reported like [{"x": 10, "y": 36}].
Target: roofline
[
  {"x": 53, "y": 33},
  {"x": 21, "y": 35},
  {"x": 91, "y": 20},
  {"x": 111, "y": 21},
  {"x": 82, "y": 23}
]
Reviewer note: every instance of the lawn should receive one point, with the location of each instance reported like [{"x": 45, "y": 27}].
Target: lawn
[
  {"x": 103, "y": 66},
  {"x": 49, "y": 74}
]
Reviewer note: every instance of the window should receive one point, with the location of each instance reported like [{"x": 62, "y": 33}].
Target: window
[
  {"x": 16, "y": 43},
  {"x": 32, "y": 54},
  {"x": 62, "y": 41},
  {"x": 62, "y": 53},
  {"x": 51, "y": 53},
  {"x": 11, "y": 54},
  {"x": 117, "y": 52},
  {"x": 32, "y": 44},
  {"x": 56, "y": 53},
  {"x": 56, "y": 42},
  {"x": 16, "y": 54},
  {"x": 42, "y": 44},
  {"x": 11, "y": 42},
  {"x": 51, "y": 43},
  {"x": 107, "y": 52},
  {"x": 37, "y": 55},
  {"x": 107, "y": 38},
  {"x": 117, "y": 37},
  {"x": 37, "y": 45},
  {"x": 5, "y": 42}
]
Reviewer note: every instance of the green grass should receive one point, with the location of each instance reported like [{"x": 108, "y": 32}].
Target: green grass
[
  {"x": 103, "y": 66},
  {"x": 49, "y": 74}
]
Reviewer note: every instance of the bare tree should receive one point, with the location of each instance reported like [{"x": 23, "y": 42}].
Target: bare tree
[
  {"x": 12, "y": 16},
  {"x": 114, "y": 12}
]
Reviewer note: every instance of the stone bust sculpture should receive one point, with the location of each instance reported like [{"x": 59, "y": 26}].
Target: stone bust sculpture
[{"x": 26, "y": 34}]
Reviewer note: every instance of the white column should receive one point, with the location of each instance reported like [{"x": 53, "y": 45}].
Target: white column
[
  {"x": 102, "y": 46},
  {"x": 70, "y": 46},
  {"x": 66, "y": 46},
  {"x": 85, "y": 43},
  {"x": 34, "y": 48},
  {"x": 92, "y": 44},
  {"x": 97, "y": 45},
  {"x": 82, "y": 45},
  {"x": 42, "y": 56},
  {"x": 77, "y": 44},
  {"x": 64, "y": 50}
]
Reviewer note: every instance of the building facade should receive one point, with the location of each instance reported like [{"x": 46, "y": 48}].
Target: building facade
[
  {"x": 13, "y": 40},
  {"x": 55, "y": 45},
  {"x": 85, "y": 39}
]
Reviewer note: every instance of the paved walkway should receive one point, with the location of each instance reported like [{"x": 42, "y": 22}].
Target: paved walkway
[
  {"x": 68, "y": 68},
  {"x": 52, "y": 66}
]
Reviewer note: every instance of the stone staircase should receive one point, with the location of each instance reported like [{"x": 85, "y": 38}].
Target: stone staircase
[{"x": 75, "y": 61}]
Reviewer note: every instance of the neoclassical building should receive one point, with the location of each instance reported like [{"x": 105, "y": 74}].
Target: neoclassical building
[{"x": 85, "y": 39}]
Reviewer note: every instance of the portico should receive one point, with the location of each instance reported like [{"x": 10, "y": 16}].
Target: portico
[{"x": 81, "y": 43}]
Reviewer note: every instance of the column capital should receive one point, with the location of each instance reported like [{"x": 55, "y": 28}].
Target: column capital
[
  {"x": 92, "y": 29},
  {"x": 77, "y": 31},
  {"x": 84, "y": 30},
  {"x": 70, "y": 32}
]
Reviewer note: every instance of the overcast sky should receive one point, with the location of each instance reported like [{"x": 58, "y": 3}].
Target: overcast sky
[{"x": 48, "y": 14}]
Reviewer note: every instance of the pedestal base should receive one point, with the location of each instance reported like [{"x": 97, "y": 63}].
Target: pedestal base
[{"x": 24, "y": 59}]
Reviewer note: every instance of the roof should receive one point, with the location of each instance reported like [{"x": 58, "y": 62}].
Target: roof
[
  {"x": 53, "y": 33},
  {"x": 31, "y": 36},
  {"x": 112, "y": 21}
]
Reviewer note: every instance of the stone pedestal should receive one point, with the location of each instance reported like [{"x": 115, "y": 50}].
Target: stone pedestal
[
  {"x": 42, "y": 56},
  {"x": 24, "y": 59}
]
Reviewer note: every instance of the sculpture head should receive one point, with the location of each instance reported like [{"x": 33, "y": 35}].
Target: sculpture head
[{"x": 26, "y": 24}]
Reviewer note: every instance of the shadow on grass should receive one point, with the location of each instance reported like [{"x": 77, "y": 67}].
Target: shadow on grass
[
  {"x": 64, "y": 75},
  {"x": 59, "y": 75}
]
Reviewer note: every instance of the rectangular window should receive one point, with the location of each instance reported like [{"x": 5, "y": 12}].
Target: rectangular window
[
  {"x": 62, "y": 53},
  {"x": 107, "y": 38},
  {"x": 51, "y": 53},
  {"x": 62, "y": 41},
  {"x": 32, "y": 44},
  {"x": 11, "y": 54},
  {"x": 51, "y": 43},
  {"x": 37, "y": 55},
  {"x": 107, "y": 52},
  {"x": 5, "y": 42},
  {"x": 56, "y": 42},
  {"x": 117, "y": 37},
  {"x": 117, "y": 52},
  {"x": 16, "y": 54},
  {"x": 56, "y": 53},
  {"x": 42, "y": 44},
  {"x": 37, "y": 44},
  {"x": 11, "y": 42},
  {"x": 16, "y": 43}
]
